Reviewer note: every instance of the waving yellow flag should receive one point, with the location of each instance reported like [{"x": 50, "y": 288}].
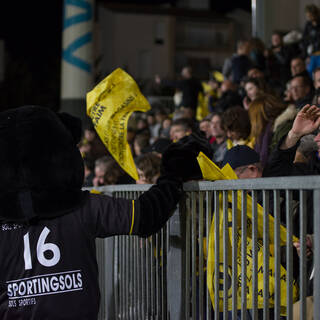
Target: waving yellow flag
[
  {"x": 211, "y": 172},
  {"x": 110, "y": 105}
]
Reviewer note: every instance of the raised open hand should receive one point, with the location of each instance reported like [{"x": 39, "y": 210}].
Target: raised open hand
[{"x": 306, "y": 121}]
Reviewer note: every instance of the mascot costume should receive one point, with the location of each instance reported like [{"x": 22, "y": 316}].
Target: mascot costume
[{"x": 48, "y": 224}]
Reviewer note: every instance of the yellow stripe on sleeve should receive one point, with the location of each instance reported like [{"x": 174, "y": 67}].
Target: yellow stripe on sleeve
[{"x": 132, "y": 222}]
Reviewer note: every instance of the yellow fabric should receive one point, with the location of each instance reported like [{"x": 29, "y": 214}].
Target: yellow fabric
[
  {"x": 211, "y": 172},
  {"x": 94, "y": 191},
  {"x": 203, "y": 101},
  {"x": 248, "y": 142},
  {"x": 218, "y": 76},
  {"x": 132, "y": 220},
  {"x": 110, "y": 105},
  {"x": 202, "y": 108}
]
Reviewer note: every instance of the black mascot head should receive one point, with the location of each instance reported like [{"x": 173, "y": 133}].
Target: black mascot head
[{"x": 41, "y": 168}]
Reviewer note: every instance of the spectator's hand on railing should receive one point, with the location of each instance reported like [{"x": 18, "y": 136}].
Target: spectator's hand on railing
[
  {"x": 306, "y": 121},
  {"x": 309, "y": 246}
]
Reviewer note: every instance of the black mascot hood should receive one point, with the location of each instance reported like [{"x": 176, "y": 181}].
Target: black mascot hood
[{"x": 41, "y": 168}]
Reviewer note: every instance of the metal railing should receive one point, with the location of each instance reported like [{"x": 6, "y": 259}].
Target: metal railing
[{"x": 165, "y": 276}]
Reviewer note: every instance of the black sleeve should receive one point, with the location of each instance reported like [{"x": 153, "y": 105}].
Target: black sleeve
[
  {"x": 105, "y": 216},
  {"x": 155, "y": 206},
  {"x": 280, "y": 162}
]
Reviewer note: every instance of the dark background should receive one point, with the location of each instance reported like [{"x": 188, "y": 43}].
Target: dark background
[{"x": 32, "y": 34}]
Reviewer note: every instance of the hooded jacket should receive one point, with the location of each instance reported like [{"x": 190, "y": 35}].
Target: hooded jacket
[{"x": 41, "y": 168}]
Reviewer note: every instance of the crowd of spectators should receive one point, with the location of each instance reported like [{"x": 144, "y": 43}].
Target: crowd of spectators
[
  {"x": 254, "y": 100},
  {"x": 261, "y": 112}
]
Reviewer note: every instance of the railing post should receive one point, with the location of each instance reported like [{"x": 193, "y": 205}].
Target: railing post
[{"x": 176, "y": 264}]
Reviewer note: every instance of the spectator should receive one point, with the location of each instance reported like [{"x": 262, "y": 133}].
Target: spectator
[
  {"x": 265, "y": 85},
  {"x": 283, "y": 124},
  {"x": 91, "y": 145},
  {"x": 301, "y": 90},
  {"x": 187, "y": 113},
  {"x": 244, "y": 161},
  {"x": 189, "y": 86},
  {"x": 143, "y": 127},
  {"x": 180, "y": 128},
  {"x": 316, "y": 78},
  {"x": 241, "y": 62},
  {"x": 212, "y": 90},
  {"x": 278, "y": 60},
  {"x": 242, "y": 49},
  {"x": 316, "y": 98},
  {"x": 281, "y": 161},
  {"x": 300, "y": 93},
  {"x": 262, "y": 113},
  {"x": 298, "y": 67},
  {"x": 311, "y": 33},
  {"x": 236, "y": 123},
  {"x": 253, "y": 88},
  {"x": 154, "y": 127},
  {"x": 256, "y": 73},
  {"x": 148, "y": 167},
  {"x": 108, "y": 172},
  {"x": 256, "y": 53},
  {"x": 229, "y": 97},
  {"x": 204, "y": 126},
  {"x": 220, "y": 144},
  {"x": 160, "y": 116},
  {"x": 165, "y": 128},
  {"x": 141, "y": 141}
]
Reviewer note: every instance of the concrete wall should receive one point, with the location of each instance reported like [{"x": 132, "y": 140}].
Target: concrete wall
[
  {"x": 142, "y": 44},
  {"x": 285, "y": 15},
  {"x": 276, "y": 15}
]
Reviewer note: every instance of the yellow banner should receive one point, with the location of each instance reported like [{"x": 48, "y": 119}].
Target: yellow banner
[
  {"x": 110, "y": 105},
  {"x": 211, "y": 172}
]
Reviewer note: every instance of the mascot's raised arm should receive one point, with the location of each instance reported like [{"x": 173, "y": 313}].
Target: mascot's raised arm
[{"x": 48, "y": 224}]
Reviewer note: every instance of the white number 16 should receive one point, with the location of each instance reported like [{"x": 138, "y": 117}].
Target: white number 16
[{"x": 42, "y": 247}]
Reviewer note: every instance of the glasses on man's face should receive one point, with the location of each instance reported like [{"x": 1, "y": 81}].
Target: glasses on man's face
[
  {"x": 241, "y": 170},
  {"x": 296, "y": 87}
]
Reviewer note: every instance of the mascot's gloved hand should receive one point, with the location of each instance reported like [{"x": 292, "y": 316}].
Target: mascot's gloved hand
[
  {"x": 179, "y": 164},
  {"x": 179, "y": 161}
]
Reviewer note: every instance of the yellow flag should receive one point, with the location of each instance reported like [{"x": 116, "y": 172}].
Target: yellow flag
[
  {"x": 110, "y": 105},
  {"x": 211, "y": 172}
]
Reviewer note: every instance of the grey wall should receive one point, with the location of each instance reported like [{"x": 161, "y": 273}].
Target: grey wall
[
  {"x": 131, "y": 41},
  {"x": 285, "y": 15}
]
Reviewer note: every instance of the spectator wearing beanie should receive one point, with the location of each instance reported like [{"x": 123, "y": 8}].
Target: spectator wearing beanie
[{"x": 244, "y": 161}]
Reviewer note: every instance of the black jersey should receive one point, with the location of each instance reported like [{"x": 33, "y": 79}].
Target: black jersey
[{"x": 49, "y": 270}]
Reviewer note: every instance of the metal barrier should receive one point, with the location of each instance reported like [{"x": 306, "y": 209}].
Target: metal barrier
[{"x": 164, "y": 276}]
